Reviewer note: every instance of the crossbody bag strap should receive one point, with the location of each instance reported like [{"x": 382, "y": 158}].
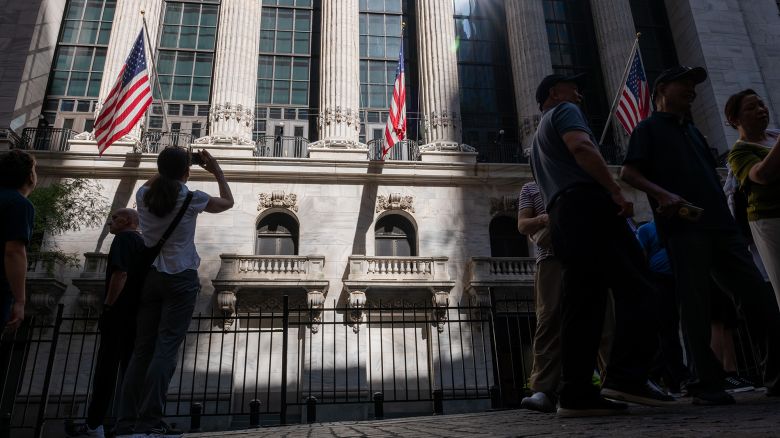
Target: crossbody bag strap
[{"x": 175, "y": 222}]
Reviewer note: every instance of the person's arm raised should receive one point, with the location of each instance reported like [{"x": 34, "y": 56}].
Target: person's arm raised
[
  {"x": 590, "y": 160},
  {"x": 767, "y": 170},
  {"x": 225, "y": 200}
]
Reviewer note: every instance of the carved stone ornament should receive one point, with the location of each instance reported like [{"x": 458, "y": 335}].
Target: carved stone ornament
[
  {"x": 504, "y": 204},
  {"x": 237, "y": 112},
  {"x": 357, "y": 303},
  {"x": 395, "y": 201},
  {"x": 329, "y": 116},
  {"x": 226, "y": 302},
  {"x": 441, "y": 300},
  {"x": 85, "y": 136},
  {"x": 225, "y": 139},
  {"x": 446, "y": 147},
  {"x": 278, "y": 199},
  {"x": 315, "y": 301}
]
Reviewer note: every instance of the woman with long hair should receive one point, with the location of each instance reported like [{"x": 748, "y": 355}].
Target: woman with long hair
[
  {"x": 755, "y": 161},
  {"x": 171, "y": 287}
]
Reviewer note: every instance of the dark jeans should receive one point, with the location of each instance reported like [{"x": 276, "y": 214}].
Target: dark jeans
[
  {"x": 164, "y": 315},
  {"x": 669, "y": 364},
  {"x": 117, "y": 337},
  {"x": 598, "y": 252},
  {"x": 723, "y": 255}
]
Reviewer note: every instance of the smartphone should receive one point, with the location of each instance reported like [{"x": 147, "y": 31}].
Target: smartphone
[
  {"x": 196, "y": 159},
  {"x": 690, "y": 212}
]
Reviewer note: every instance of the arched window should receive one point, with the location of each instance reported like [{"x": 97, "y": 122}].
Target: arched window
[
  {"x": 395, "y": 236},
  {"x": 505, "y": 240},
  {"x": 277, "y": 234}
]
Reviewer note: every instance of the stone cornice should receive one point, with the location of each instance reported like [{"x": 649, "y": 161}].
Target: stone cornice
[{"x": 250, "y": 169}]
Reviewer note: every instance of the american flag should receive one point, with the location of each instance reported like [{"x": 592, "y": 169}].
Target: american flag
[
  {"x": 128, "y": 100},
  {"x": 634, "y": 105},
  {"x": 395, "y": 130}
]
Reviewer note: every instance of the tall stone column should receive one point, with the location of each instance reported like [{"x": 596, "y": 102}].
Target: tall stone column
[
  {"x": 439, "y": 85},
  {"x": 124, "y": 31},
  {"x": 615, "y": 34},
  {"x": 529, "y": 50},
  {"x": 235, "y": 74},
  {"x": 339, "y": 114}
]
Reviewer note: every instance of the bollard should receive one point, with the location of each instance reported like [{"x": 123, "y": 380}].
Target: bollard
[
  {"x": 379, "y": 407},
  {"x": 196, "y": 410},
  {"x": 311, "y": 409},
  {"x": 254, "y": 413},
  {"x": 438, "y": 402},
  {"x": 495, "y": 397}
]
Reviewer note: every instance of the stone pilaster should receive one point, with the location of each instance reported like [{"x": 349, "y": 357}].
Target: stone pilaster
[
  {"x": 124, "y": 31},
  {"x": 235, "y": 75},
  {"x": 439, "y": 85},
  {"x": 529, "y": 50},
  {"x": 339, "y": 114},
  {"x": 615, "y": 34}
]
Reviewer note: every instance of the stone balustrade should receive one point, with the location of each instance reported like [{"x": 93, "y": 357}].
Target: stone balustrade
[
  {"x": 398, "y": 268},
  {"x": 92, "y": 282},
  {"x": 271, "y": 267},
  {"x": 484, "y": 273}
]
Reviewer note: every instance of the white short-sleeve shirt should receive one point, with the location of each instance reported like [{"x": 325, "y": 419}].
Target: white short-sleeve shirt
[{"x": 178, "y": 254}]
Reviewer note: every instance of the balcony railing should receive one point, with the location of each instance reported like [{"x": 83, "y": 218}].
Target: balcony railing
[
  {"x": 405, "y": 150},
  {"x": 154, "y": 141},
  {"x": 256, "y": 267},
  {"x": 500, "y": 153},
  {"x": 46, "y": 139},
  {"x": 502, "y": 269},
  {"x": 282, "y": 147},
  {"x": 398, "y": 268}
]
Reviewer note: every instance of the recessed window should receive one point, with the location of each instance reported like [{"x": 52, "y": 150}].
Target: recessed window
[
  {"x": 505, "y": 240},
  {"x": 277, "y": 234},
  {"x": 395, "y": 237}
]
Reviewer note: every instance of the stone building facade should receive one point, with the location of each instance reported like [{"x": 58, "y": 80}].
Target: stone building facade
[{"x": 292, "y": 95}]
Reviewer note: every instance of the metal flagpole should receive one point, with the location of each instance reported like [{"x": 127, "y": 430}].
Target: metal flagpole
[
  {"x": 154, "y": 72},
  {"x": 621, "y": 84}
]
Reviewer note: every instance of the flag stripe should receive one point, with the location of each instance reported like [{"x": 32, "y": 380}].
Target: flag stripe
[
  {"x": 634, "y": 104},
  {"x": 395, "y": 129}
]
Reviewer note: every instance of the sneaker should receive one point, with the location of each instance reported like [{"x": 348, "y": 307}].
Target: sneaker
[
  {"x": 713, "y": 397},
  {"x": 597, "y": 407},
  {"x": 539, "y": 402},
  {"x": 647, "y": 394},
  {"x": 163, "y": 429},
  {"x": 733, "y": 384},
  {"x": 82, "y": 429}
]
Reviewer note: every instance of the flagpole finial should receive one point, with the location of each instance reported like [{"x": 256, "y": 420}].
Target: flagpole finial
[
  {"x": 638, "y": 34},
  {"x": 143, "y": 12}
]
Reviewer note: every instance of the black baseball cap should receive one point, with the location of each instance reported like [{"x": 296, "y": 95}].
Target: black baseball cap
[
  {"x": 543, "y": 90},
  {"x": 697, "y": 74}
]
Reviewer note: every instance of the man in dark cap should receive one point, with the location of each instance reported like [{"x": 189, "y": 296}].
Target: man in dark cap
[
  {"x": 670, "y": 160},
  {"x": 598, "y": 251}
]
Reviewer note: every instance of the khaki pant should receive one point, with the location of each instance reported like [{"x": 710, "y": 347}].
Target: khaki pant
[
  {"x": 766, "y": 234},
  {"x": 546, "y": 372}
]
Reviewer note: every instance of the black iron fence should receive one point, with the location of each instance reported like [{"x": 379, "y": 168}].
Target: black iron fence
[
  {"x": 155, "y": 141},
  {"x": 281, "y": 147},
  {"x": 404, "y": 150},
  {"x": 277, "y": 366},
  {"x": 500, "y": 153},
  {"x": 46, "y": 139}
]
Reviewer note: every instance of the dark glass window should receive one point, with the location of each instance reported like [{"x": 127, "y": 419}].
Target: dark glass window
[
  {"x": 573, "y": 49},
  {"x": 656, "y": 43},
  {"x": 287, "y": 60},
  {"x": 505, "y": 240},
  {"x": 277, "y": 234},
  {"x": 395, "y": 237},
  {"x": 186, "y": 57},
  {"x": 487, "y": 102}
]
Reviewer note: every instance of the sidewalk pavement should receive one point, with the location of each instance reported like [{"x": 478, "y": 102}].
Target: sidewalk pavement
[{"x": 753, "y": 415}]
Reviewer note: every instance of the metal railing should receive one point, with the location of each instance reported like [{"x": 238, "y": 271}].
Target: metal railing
[
  {"x": 154, "y": 141},
  {"x": 46, "y": 139},
  {"x": 405, "y": 150},
  {"x": 282, "y": 147},
  {"x": 613, "y": 154},
  {"x": 271, "y": 367},
  {"x": 500, "y": 153}
]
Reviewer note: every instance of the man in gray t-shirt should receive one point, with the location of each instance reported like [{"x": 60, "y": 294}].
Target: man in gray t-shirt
[{"x": 597, "y": 250}]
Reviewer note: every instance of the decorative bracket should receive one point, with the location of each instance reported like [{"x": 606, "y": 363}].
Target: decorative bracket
[
  {"x": 315, "y": 300},
  {"x": 357, "y": 303},
  {"x": 441, "y": 301},
  {"x": 226, "y": 302}
]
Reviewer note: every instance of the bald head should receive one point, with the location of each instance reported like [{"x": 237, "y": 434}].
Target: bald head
[{"x": 123, "y": 219}]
